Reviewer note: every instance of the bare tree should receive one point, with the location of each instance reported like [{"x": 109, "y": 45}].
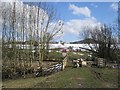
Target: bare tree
[
  {"x": 27, "y": 29},
  {"x": 103, "y": 43}
]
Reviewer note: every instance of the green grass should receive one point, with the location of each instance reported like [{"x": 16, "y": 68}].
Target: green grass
[
  {"x": 69, "y": 78},
  {"x": 71, "y": 55}
]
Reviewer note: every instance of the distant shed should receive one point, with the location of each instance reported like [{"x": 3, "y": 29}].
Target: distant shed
[{"x": 100, "y": 62}]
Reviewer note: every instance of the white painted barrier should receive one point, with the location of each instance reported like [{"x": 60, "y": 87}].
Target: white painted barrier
[{"x": 84, "y": 63}]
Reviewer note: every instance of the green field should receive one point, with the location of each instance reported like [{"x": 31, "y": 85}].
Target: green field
[
  {"x": 71, "y": 55},
  {"x": 85, "y": 77}
]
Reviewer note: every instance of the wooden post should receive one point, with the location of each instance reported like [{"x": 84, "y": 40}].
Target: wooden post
[{"x": 64, "y": 62}]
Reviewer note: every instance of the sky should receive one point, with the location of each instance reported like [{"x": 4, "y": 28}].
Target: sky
[{"x": 76, "y": 15}]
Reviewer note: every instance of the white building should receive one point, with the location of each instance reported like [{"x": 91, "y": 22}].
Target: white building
[{"x": 74, "y": 46}]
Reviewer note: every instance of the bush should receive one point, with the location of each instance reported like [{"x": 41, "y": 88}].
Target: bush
[
  {"x": 72, "y": 56},
  {"x": 55, "y": 55}
]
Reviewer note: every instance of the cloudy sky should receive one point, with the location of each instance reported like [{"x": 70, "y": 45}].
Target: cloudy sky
[{"x": 77, "y": 15}]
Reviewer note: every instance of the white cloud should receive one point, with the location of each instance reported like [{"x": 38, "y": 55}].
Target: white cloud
[
  {"x": 95, "y": 6},
  {"x": 9, "y": 0},
  {"x": 114, "y": 6},
  {"x": 75, "y": 26},
  {"x": 80, "y": 10},
  {"x": 8, "y": 6}
]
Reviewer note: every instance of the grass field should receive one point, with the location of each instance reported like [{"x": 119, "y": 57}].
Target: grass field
[{"x": 85, "y": 77}]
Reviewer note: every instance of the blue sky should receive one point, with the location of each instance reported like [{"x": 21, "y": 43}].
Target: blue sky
[
  {"x": 76, "y": 15},
  {"x": 99, "y": 12}
]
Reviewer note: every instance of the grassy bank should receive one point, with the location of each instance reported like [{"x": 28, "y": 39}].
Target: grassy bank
[{"x": 84, "y": 77}]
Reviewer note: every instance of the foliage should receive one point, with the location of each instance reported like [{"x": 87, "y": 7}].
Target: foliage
[
  {"x": 77, "y": 55},
  {"x": 55, "y": 55}
]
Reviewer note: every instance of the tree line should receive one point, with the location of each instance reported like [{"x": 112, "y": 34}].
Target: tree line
[
  {"x": 105, "y": 41},
  {"x": 26, "y": 33}
]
